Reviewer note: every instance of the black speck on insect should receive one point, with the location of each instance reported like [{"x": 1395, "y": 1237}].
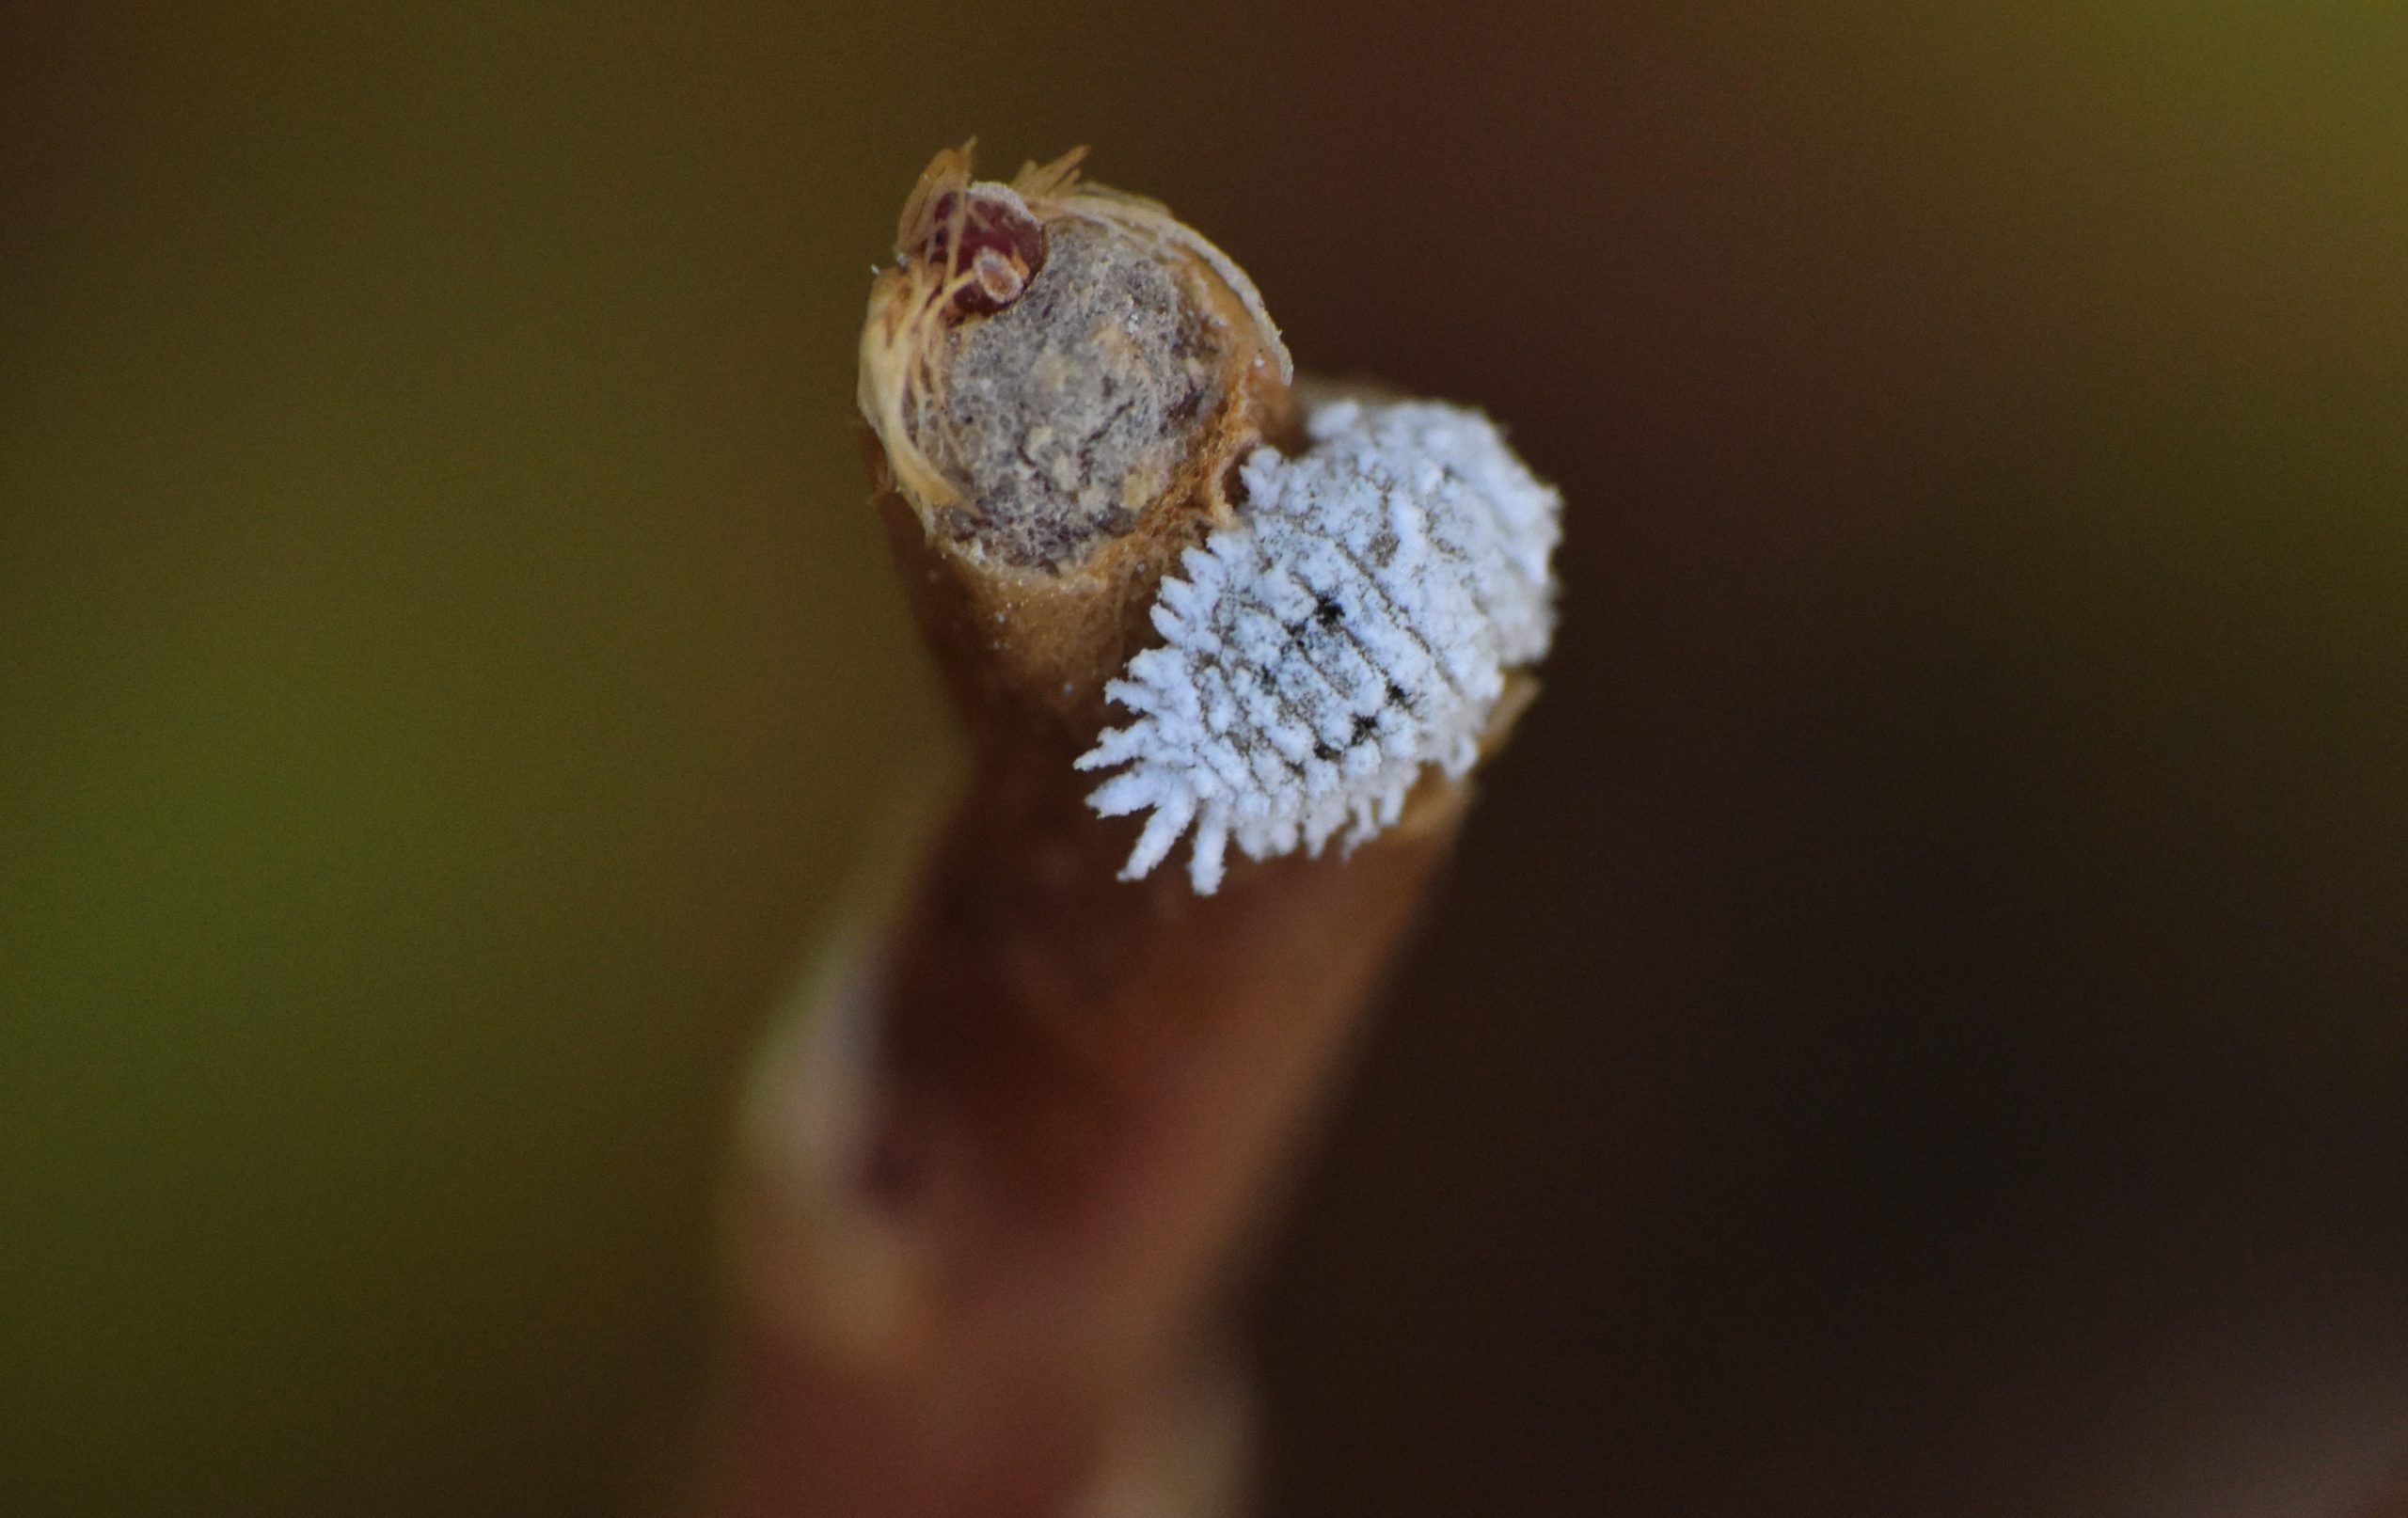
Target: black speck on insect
[
  {"x": 1328, "y": 612},
  {"x": 1398, "y": 697},
  {"x": 1323, "y": 752},
  {"x": 1364, "y": 726}
]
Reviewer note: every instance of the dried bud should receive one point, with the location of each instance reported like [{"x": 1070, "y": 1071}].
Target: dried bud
[{"x": 1063, "y": 380}]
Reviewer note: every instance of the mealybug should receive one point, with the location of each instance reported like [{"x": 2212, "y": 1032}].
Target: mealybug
[{"x": 1353, "y": 625}]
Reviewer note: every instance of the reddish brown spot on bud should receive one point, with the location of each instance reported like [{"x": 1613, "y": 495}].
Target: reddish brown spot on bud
[{"x": 987, "y": 232}]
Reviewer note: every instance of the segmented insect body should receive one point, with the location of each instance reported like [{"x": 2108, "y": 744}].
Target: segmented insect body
[{"x": 1354, "y": 624}]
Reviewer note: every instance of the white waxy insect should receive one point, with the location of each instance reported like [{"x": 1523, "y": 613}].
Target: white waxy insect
[{"x": 1353, "y": 625}]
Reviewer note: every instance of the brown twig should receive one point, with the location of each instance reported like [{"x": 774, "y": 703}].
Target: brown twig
[{"x": 994, "y": 1174}]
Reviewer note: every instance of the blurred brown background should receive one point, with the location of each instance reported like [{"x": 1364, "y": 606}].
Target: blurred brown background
[{"x": 1919, "y": 1026}]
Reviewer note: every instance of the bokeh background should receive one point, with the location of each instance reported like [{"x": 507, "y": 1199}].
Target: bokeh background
[{"x": 1919, "y": 1026}]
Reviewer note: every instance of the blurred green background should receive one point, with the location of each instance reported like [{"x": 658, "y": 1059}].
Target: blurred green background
[{"x": 1919, "y": 1026}]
